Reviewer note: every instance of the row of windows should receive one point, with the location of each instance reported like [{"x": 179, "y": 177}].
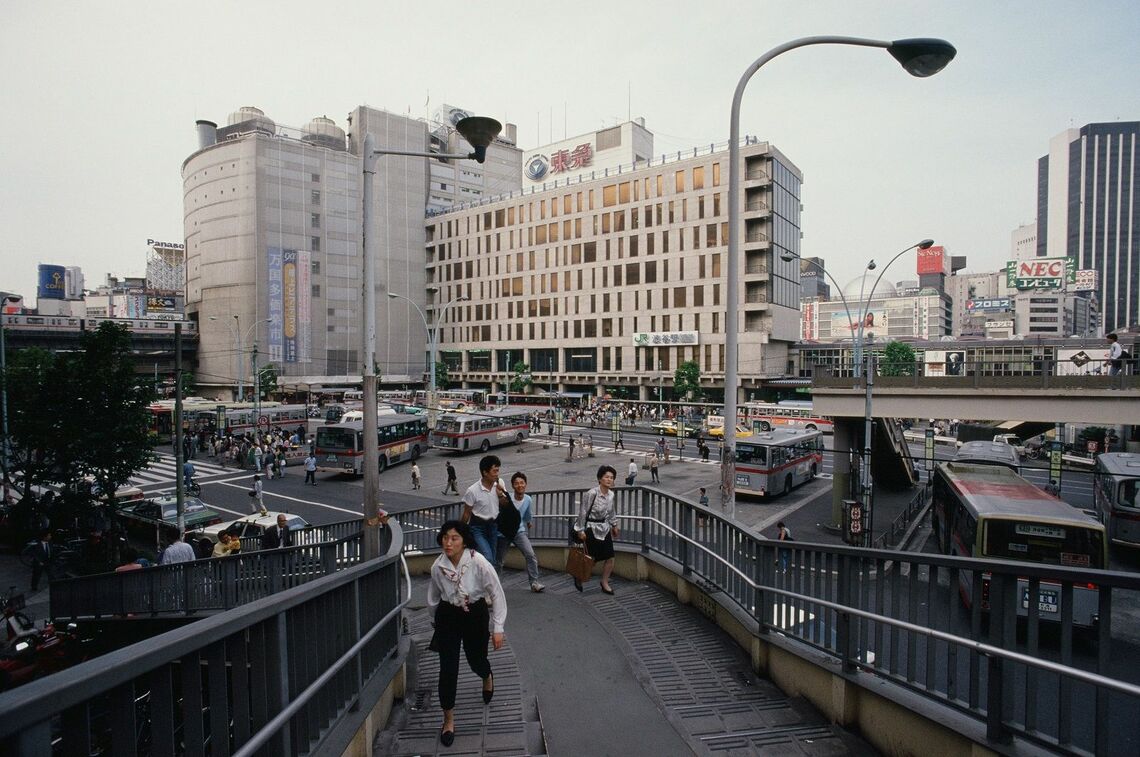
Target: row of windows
[
  {"x": 588, "y": 328},
  {"x": 585, "y": 359}
]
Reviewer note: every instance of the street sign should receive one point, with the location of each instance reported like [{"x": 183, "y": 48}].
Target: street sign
[
  {"x": 263, "y": 421},
  {"x": 929, "y": 449},
  {"x": 852, "y": 522},
  {"x": 1056, "y": 449}
]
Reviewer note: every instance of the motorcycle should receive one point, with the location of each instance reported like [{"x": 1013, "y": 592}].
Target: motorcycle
[{"x": 29, "y": 652}]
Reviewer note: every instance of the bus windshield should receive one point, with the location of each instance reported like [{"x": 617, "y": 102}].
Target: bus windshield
[
  {"x": 749, "y": 453},
  {"x": 1042, "y": 542},
  {"x": 336, "y": 439}
]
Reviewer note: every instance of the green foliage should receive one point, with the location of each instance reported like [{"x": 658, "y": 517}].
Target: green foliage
[
  {"x": 268, "y": 380},
  {"x": 521, "y": 380},
  {"x": 80, "y": 415},
  {"x": 189, "y": 388},
  {"x": 898, "y": 360},
  {"x": 442, "y": 376},
  {"x": 687, "y": 380}
]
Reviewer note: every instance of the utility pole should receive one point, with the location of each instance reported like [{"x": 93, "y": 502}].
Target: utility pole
[
  {"x": 179, "y": 460},
  {"x": 256, "y": 389}
]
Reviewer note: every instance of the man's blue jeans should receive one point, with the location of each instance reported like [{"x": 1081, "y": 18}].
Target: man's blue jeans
[{"x": 486, "y": 534}]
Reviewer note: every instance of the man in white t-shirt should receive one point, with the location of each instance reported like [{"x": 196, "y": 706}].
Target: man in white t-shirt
[
  {"x": 481, "y": 506},
  {"x": 631, "y": 476},
  {"x": 1115, "y": 360}
]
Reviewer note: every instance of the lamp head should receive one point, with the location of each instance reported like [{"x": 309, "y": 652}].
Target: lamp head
[
  {"x": 872, "y": 266},
  {"x": 926, "y": 244},
  {"x": 480, "y": 132},
  {"x": 788, "y": 256},
  {"x": 922, "y": 57},
  {"x": 390, "y": 294}
]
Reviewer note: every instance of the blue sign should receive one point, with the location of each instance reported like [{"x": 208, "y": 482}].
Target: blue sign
[{"x": 51, "y": 282}]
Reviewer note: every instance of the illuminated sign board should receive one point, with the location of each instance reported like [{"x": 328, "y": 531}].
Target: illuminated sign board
[
  {"x": 539, "y": 165},
  {"x": 1040, "y": 273},
  {"x": 665, "y": 338},
  {"x": 165, "y": 245},
  {"x": 1085, "y": 281},
  {"x": 991, "y": 305}
]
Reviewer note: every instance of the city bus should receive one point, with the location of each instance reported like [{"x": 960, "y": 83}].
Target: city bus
[
  {"x": 200, "y": 414},
  {"x": 764, "y": 416},
  {"x": 340, "y": 446},
  {"x": 989, "y": 513},
  {"x": 777, "y": 461},
  {"x": 989, "y": 453},
  {"x": 468, "y": 431},
  {"x": 454, "y": 399},
  {"x": 1116, "y": 488}
]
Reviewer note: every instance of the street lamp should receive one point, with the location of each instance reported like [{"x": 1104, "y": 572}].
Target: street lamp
[
  {"x": 863, "y": 308},
  {"x": 479, "y": 132},
  {"x": 4, "y": 456},
  {"x": 238, "y": 335},
  {"x": 433, "y": 342},
  {"x": 919, "y": 57}
]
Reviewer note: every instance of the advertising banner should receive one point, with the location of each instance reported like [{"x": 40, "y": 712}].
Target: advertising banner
[
  {"x": 874, "y": 322},
  {"x": 1085, "y": 281},
  {"x": 290, "y": 339},
  {"x": 1079, "y": 362},
  {"x": 990, "y": 305},
  {"x": 933, "y": 260},
  {"x": 944, "y": 363},
  {"x": 52, "y": 282},
  {"x": 807, "y": 322},
  {"x": 1040, "y": 273}
]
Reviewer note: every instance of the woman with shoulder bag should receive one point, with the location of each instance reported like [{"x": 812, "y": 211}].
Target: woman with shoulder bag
[
  {"x": 597, "y": 525},
  {"x": 468, "y": 605}
]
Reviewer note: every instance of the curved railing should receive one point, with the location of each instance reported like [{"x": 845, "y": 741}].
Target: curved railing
[
  {"x": 210, "y": 585},
  {"x": 895, "y": 615},
  {"x": 294, "y": 673}
]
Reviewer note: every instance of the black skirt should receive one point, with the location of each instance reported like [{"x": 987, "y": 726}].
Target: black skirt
[{"x": 599, "y": 549}]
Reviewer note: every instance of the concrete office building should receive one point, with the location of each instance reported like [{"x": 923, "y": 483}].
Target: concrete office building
[
  {"x": 1088, "y": 208},
  {"x": 977, "y": 299},
  {"x": 813, "y": 282},
  {"x": 926, "y": 315},
  {"x": 1023, "y": 242},
  {"x": 1051, "y": 314},
  {"x": 273, "y": 245},
  {"x": 609, "y": 282}
]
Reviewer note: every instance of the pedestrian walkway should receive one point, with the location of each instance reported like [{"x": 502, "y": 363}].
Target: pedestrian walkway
[
  {"x": 635, "y": 673},
  {"x": 165, "y": 470}
]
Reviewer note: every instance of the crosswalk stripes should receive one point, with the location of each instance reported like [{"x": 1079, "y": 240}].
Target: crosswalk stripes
[{"x": 164, "y": 470}]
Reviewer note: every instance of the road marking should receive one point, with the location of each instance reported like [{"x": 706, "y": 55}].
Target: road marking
[{"x": 285, "y": 496}]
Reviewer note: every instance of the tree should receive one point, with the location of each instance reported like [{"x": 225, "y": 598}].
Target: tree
[
  {"x": 521, "y": 381},
  {"x": 442, "y": 376},
  {"x": 189, "y": 388},
  {"x": 108, "y": 413},
  {"x": 268, "y": 380},
  {"x": 687, "y": 379},
  {"x": 898, "y": 360},
  {"x": 39, "y": 414}
]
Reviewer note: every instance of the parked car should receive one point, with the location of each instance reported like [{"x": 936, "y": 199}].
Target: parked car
[
  {"x": 717, "y": 432},
  {"x": 161, "y": 514},
  {"x": 253, "y": 526}
]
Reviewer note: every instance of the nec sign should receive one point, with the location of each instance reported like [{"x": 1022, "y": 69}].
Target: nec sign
[{"x": 1041, "y": 273}]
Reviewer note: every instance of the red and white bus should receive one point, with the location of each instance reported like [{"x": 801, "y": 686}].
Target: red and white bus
[
  {"x": 765, "y": 416},
  {"x": 777, "y": 461},
  {"x": 340, "y": 446},
  {"x": 482, "y": 430}
]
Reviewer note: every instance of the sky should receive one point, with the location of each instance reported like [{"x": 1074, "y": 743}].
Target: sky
[{"x": 99, "y": 101}]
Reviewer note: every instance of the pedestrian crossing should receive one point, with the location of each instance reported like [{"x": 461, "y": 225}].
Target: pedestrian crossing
[{"x": 165, "y": 470}]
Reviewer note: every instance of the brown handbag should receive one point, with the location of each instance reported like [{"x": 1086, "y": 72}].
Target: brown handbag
[{"x": 579, "y": 564}]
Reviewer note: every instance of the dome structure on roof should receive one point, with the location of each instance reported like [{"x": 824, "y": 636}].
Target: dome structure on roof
[{"x": 856, "y": 286}]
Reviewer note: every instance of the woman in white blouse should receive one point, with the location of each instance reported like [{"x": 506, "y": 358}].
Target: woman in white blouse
[
  {"x": 467, "y": 602},
  {"x": 597, "y": 525}
]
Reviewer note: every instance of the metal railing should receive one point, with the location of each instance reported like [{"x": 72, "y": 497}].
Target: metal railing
[
  {"x": 1043, "y": 373},
  {"x": 891, "y": 537},
  {"x": 290, "y": 674},
  {"x": 896, "y": 615},
  {"x": 202, "y": 586}
]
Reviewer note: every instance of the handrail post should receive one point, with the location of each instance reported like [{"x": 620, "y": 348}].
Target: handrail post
[
  {"x": 843, "y": 636},
  {"x": 277, "y": 687},
  {"x": 1003, "y": 618},
  {"x": 685, "y": 515},
  {"x": 645, "y": 510}
]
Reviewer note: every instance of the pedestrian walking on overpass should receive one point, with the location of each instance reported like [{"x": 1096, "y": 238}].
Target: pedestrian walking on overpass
[
  {"x": 597, "y": 526},
  {"x": 521, "y": 538},
  {"x": 469, "y": 608}
]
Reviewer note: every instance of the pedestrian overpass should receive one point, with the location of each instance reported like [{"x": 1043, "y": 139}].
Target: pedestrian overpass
[{"x": 877, "y": 641}]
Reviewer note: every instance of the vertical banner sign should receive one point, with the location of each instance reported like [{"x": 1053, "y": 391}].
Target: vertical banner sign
[
  {"x": 558, "y": 423},
  {"x": 290, "y": 306},
  {"x": 1055, "y": 448},
  {"x": 929, "y": 449},
  {"x": 615, "y": 429},
  {"x": 275, "y": 263}
]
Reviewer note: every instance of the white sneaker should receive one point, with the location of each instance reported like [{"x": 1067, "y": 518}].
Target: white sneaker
[{"x": 536, "y": 587}]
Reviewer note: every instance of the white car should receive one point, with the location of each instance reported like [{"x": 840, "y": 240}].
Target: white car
[{"x": 253, "y": 526}]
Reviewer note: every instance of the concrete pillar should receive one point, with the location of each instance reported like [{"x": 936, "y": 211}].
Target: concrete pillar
[{"x": 846, "y": 438}]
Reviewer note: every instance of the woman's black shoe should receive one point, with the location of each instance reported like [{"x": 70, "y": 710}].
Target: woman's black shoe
[
  {"x": 607, "y": 591},
  {"x": 447, "y": 738},
  {"x": 488, "y": 693},
  {"x": 577, "y": 584}
]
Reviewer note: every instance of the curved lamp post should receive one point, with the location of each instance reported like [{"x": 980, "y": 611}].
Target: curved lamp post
[
  {"x": 433, "y": 344},
  {"x": 479, "y": 132},
  {"x": 236, "y": 331},
  {"x": 865, "y": 482},
  {"x": 919, "y": 57}
]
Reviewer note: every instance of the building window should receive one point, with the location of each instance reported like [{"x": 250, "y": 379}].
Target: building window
[
  {"x": 315, "y": 220},
  {"x": 316, "y": 177},
  {"x": 315, "y": 196},
  {"x": 315, "y": 244},
  {"x": 679, "y": 297},
  {"x": 699, "y": 177},
  {"x": 316, "y": 267},
  {"x": 316, "y": 290}
]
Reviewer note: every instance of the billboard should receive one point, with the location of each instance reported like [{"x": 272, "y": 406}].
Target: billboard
[
  {"x": 1040, "y": 273},
  {"x": 290, "y": 338},
  {"x": 874, "y": 322},
  {"x": 944, "y": 363},
  {"x": 1085, "y": 280},
  {"x": 990, "y": 305},
  {"x": 1079, "y": 362},
  {"x": 933, "y": 260},
  {"x": 807, "y": 322},
  {"x": 52, "y": 282}
]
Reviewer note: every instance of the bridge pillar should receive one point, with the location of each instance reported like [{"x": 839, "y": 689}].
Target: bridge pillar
[{"x": 843, "y": 442}]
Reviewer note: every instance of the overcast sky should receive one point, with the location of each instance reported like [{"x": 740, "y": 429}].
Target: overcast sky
[{"x": 99, "y": 101}]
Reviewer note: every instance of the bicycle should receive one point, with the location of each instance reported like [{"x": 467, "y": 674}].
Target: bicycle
[{"x": 194, "y": 489}]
